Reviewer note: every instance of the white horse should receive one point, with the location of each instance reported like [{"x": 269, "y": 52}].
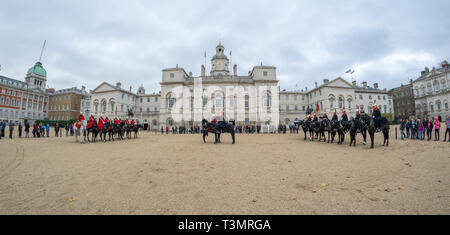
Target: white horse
[{"x": 80, "y": 131}]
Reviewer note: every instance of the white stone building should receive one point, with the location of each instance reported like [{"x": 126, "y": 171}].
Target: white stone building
[
  {"x": 431, "y": 92},
  {"x": 186, "y": 100},
  {"x": 28, "y": 100},
  {"x": 332, "y": 95},
  {"x": 253, "y": 99}
]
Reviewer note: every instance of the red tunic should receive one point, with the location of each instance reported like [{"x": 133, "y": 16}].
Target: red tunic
[
  {"x": 127, "y": 122},
  {"x": 132, "y": 122},
  {"x": 90, "y": 123},
  {"x": 100, "y": 124},
  {"x": 80, "y": 117}
]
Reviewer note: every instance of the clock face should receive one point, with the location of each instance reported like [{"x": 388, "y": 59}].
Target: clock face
[{"x": 219, "y": 64}]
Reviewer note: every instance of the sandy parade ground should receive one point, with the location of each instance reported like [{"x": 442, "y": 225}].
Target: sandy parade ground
[{"x": 260, "y": 174}]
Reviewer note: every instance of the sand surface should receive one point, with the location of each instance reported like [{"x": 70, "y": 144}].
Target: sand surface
[{"x": 260, "y": 174}]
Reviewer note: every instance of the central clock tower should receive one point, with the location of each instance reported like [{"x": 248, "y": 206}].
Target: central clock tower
[{"x": 220, "y": 62}]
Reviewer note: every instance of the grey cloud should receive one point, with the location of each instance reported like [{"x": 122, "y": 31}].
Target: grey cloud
[{"x": 132, "y": 41}]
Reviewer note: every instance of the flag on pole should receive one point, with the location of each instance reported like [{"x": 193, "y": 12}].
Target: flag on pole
[
  {"x": 116, "y": 110},
  {"x": 348, "y": 71},
  {"x": 317, "y": 107},
  {"x": 230, "y": 52}
]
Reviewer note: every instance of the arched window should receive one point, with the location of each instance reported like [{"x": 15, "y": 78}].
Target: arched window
[
  {"x": 431, "y": 107},
  {"x": 331, "y": 100},
  {"x": 170, "y": 100},
  {"x": 247, "y": 98},
  {"x": 430, "y": 89},
  {"x": 267, "y": 100},
  {"x": 112, "y": 106},
  {"x": 438, "y": 105},
  {"x": 423, "y": 89},
  {"x": 169, "y": 122},
  {"x": 341, "y": 102},
  {"x": 205, "y": 102},
  {"x": 446, "y": 105},
  {"x": 443, "y": 84},
  {"x": 436, "y": 85},
  {"x": 103, "y": 105},
  {"x": 218, "y": 101}
]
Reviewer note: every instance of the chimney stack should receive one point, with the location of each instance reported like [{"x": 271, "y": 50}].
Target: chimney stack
[
  {"x": 316, "y": 84},
  {"x": 83, "y": 88},
  {"x": 306, "y": 88},
  {"x": 118, "y": 84},
  {"x": 130, "y": 88},
  {"x": 325, "y": 81},
  {"x": 364, "y": 84},
  {"x": 354, "y": 83},
  {"x": 375, "y": 85}
]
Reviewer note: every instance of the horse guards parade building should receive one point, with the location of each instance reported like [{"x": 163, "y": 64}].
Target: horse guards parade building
[{"x": 252, "y": 99}]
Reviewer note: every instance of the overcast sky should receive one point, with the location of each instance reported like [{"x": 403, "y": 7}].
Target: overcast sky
[{"x": 89, "y": 42}]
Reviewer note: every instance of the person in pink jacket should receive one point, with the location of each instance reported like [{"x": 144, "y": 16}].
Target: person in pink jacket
[{"x": 437, "y": 126}]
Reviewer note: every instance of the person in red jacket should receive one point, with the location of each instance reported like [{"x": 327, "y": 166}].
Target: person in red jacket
[
  {"x": 115, "y": 120},
  {"x": 91, "y": 122},
  {"x": 81, "y": 117},
  {"x": 126, "y": 121},
  {"x": 132, "y": 122},
  {"x": 100, "y": 123}
]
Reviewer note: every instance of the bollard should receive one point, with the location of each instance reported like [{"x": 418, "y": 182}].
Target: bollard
[{"x": 396, "y": 133}]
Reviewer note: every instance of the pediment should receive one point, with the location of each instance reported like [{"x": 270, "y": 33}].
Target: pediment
[{"x": 104, "y": 87}]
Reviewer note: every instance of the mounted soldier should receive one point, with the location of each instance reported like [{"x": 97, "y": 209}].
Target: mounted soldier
[
  {"x": 376, "y": 115},
  {"x": 358, "y": 115},
  {"x": 91, "y": 122},
  {"x": 344, "y": 116},
  {"x": 335, "y": 117},
  {"x": 325, "y": 115}
]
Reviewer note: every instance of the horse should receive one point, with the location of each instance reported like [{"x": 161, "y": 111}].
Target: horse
[
  {"x": 303, "y": 125},
  {"x": 104, "y": 131},
  {"x": 128, "y": 128},
  {"x": 224, "y": 127},
  {"x": 357, "y": 126},
  {"x": 208, "y": 127},
  {"x": 93, "y": 130},
  {"x": 343, "y": 128},
  {"x": 331, "y": 128},
  {"x": 80, "y": 131},
  {"x": 321, "y": 129},
  {"x": 314, "y": 130},
  {"x": 384, "y": 128},
  {"x": 135, "y": 129}
]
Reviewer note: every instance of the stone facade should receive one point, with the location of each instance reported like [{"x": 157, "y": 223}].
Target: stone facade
[
  {"x": 253, "y": 99},
  {"x": 20, "y": 101},
  {"x": 331, "y": 95},
  {"x": 65, "y": 104},
  {"x": 403, "y": 98},
  {"x": 432, "y": 92}
]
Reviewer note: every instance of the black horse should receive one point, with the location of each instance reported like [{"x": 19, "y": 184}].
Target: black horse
[
  {"x": 372, "y": 129},
  {"x": 331, "y": 127},
  {"x": 321, "y": 129},
  {"x": 104, "y": 131},
  {"x": 357, "y": 126},
  {"x": 225, "y": 127},
  {"x": 217, "y": 129},
  {"x": 208, "y": 127},
  {"x": 343, "y": 128},
  {"x": 93, "y": 130}
]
